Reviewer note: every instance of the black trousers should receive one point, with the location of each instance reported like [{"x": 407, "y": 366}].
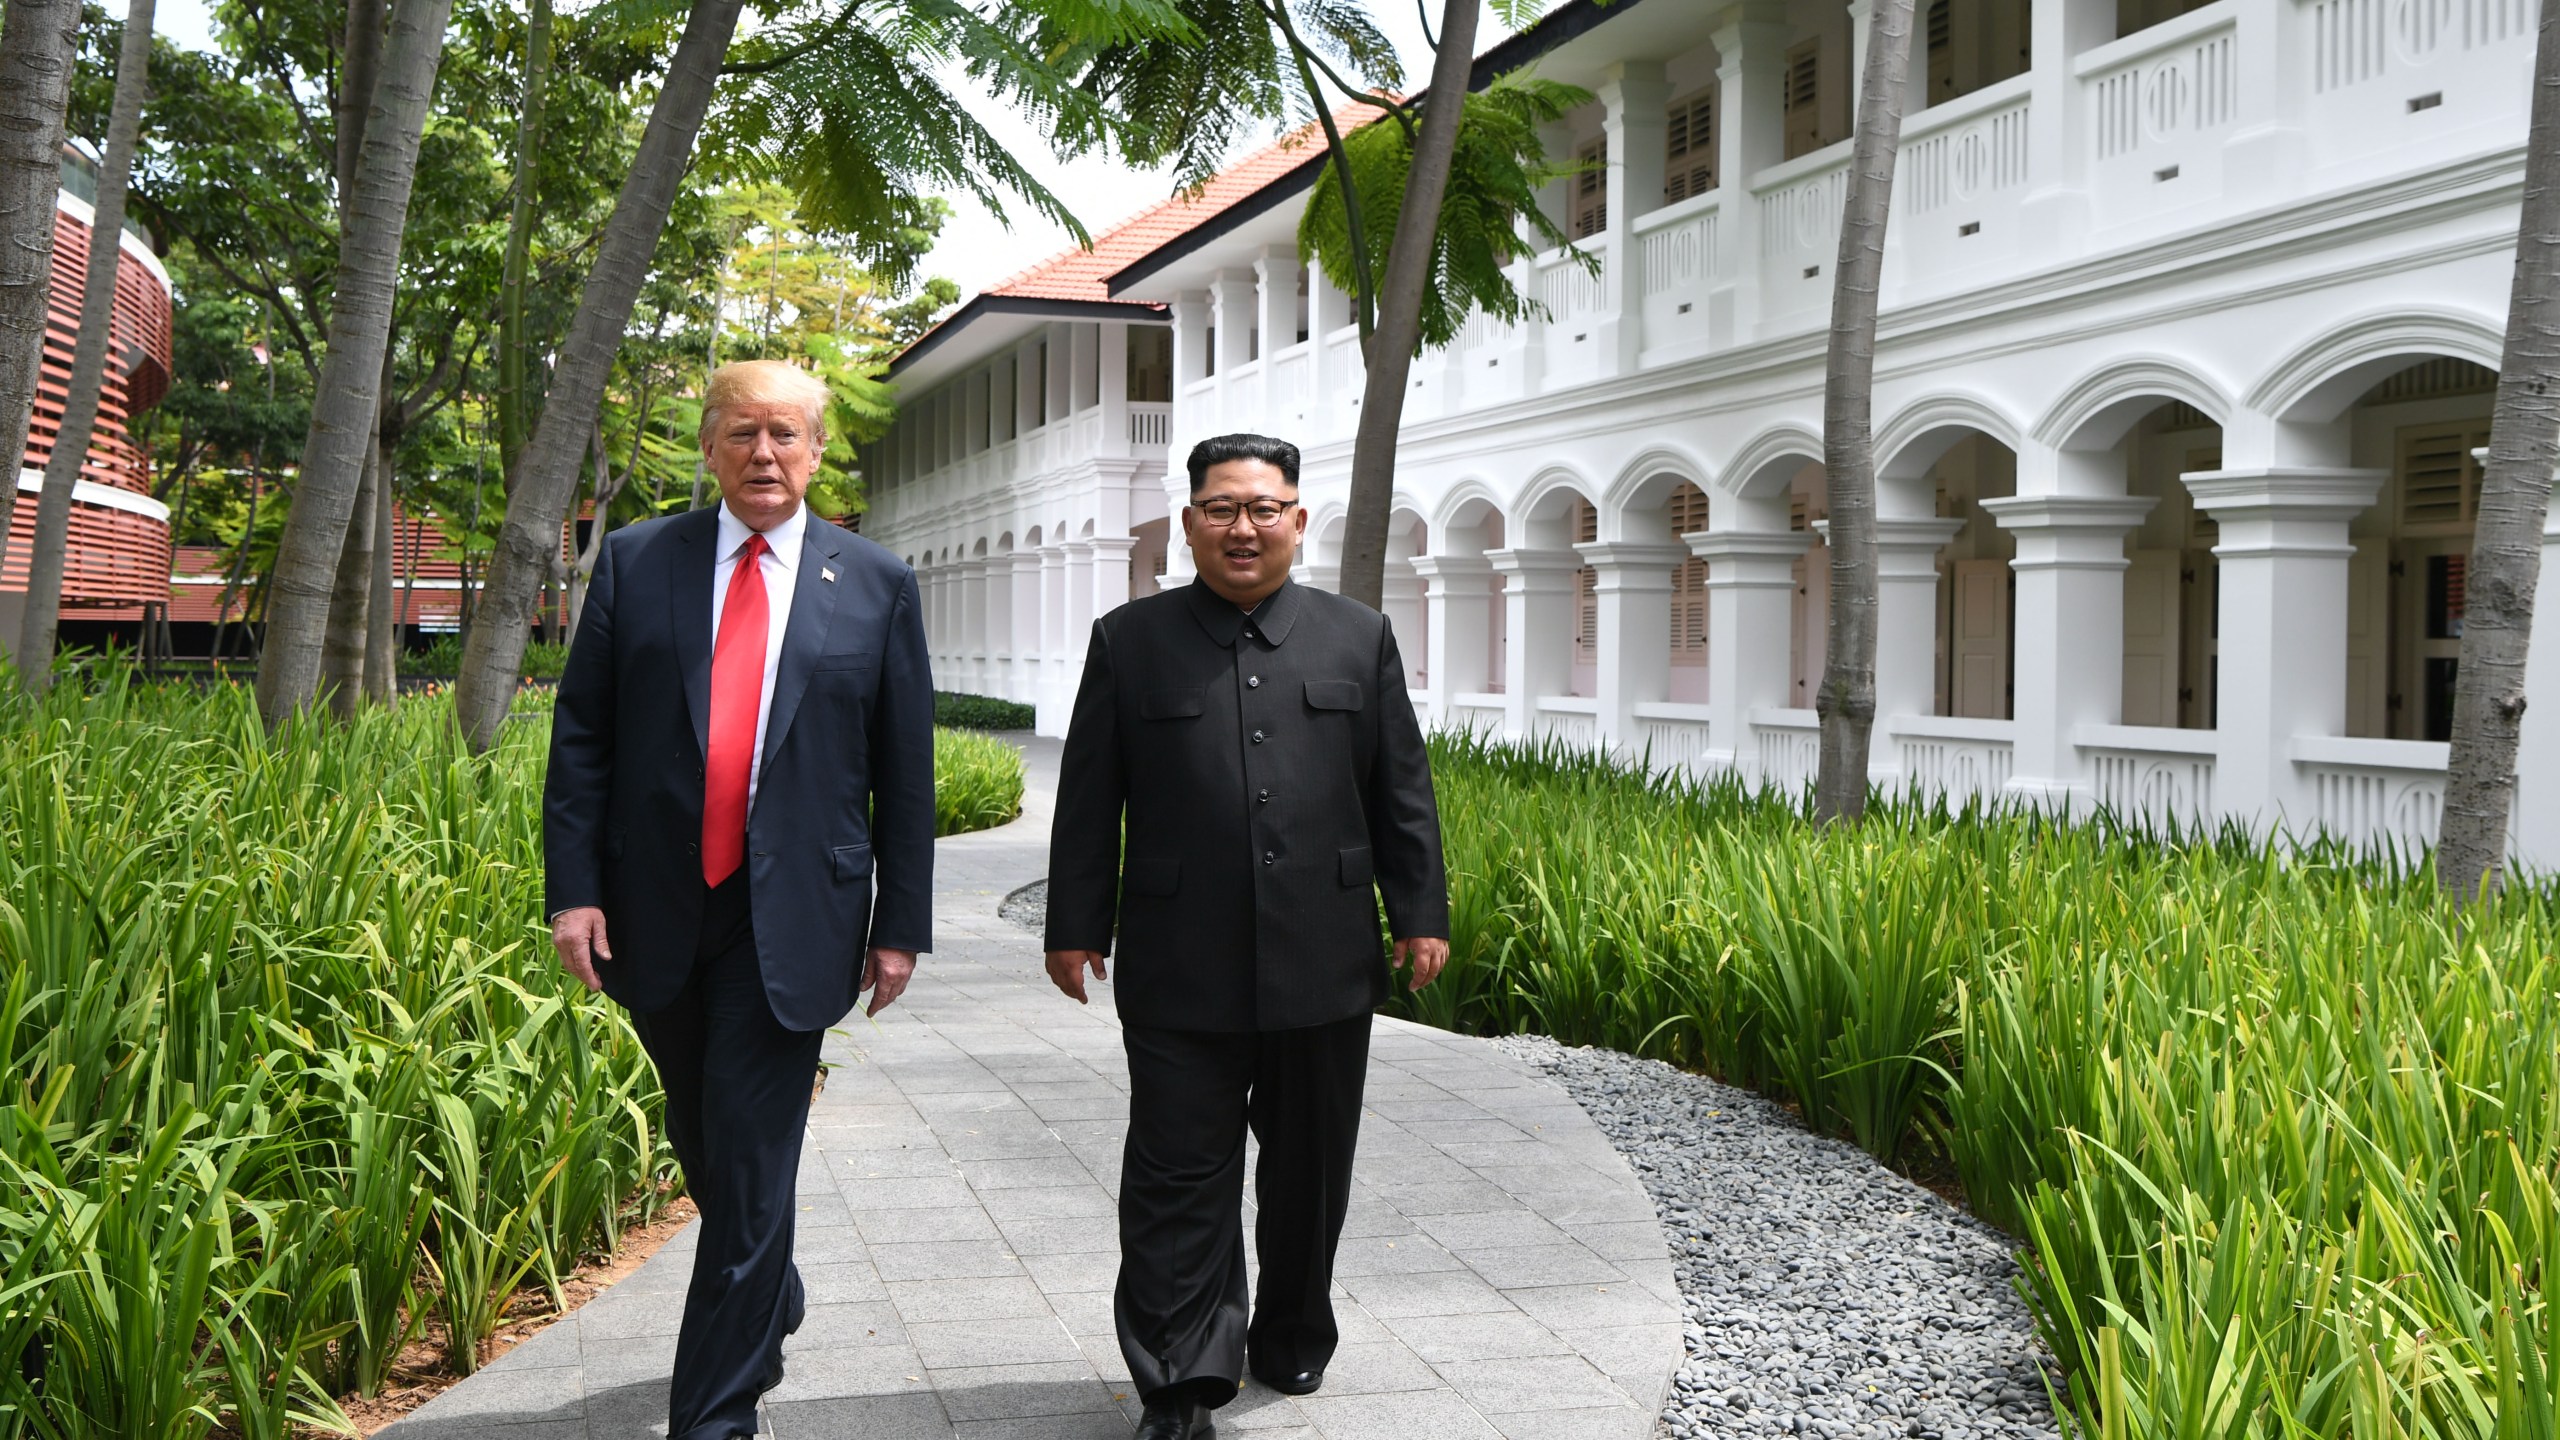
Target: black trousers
[
  {"x": 737, "y": 1088},
  {"x": 1180, "y": 1307}
]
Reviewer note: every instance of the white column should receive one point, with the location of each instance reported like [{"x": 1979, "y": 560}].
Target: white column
[
  {"x": 2056, "y": 207},
  {"x": 1022, "y": 678},
  {"x": 1178, "y": 566},
  {"x": 1062, "y": 650},
  {"x": 1111, "y": 572},
  {"x": 1457, "y": 600},
  {"x": 1635, "y": 120},
  {"x": 1633, "y": 581},
  {"x": 2282, "y": 629},
  {"x": 1751, "y": 589},
  {"x": 1321, "y": 577},
  {"x": 2268, "y": 155},
  {"x": 1906, "y": 630},
  {"x": 1231, "y": 313},
  {"x": 1062, "y": 370},
  {"x": 1401, "y": 597},
  {"x": 1538, "y": 591},
  {"x": 999, "y": 582},
  {"x": 1080, "y": 612},
  {"x": 1328, "y": 310},
  {"x": 2536, "y": 823},
  {"x": 2069, "y": 613},
  {"x": 1751, "y": 45},
  {"x": 1186, "y": 424},
  {"x": 977, "y": 651},
  {"x": 1111, "y": 374},
  {"x": 1275, "y": 280}
]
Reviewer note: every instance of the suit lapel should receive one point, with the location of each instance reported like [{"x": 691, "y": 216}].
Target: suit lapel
[
  {"x": 813, "y": 607},
  {"x": 689, "y": 591}
]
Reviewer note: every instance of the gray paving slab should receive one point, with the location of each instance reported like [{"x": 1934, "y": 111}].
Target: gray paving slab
[{"x": 1501, "y": 1276}]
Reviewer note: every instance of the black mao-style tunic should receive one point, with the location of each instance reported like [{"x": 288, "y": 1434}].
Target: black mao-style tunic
[{"x": 1274, "y": 785}]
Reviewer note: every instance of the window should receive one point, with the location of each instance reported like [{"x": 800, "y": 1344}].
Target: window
[
  {"x": 1150, "y": 363},
  {"x": 1942, "y": 52},
  {"x": 1689, "y": 159},
  {"x": 1591, "y": 190},
  {"x": 2439, "y": 481},
  {"x": 1802, "y": 98},
  {"x": 1689, "y": 581}
]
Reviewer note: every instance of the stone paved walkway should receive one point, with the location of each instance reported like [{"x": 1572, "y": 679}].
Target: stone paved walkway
[{"x": 1502, "y": 1274}]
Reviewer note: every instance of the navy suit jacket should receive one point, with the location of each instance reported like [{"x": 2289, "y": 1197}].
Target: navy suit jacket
[{"x": 840, "y": 838}]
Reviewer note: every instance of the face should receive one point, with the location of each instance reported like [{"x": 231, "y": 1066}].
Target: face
[
  {"x": 1243, "y": 562},
  {"x": 764, "y": 453}
]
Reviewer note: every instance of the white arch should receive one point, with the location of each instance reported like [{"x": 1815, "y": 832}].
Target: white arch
[
  {"x": 1929, "y": 423},
  {"x": 1470, "y": 491},
  {"x": 1755, "y": 472},
  {"x": 2316, "y": 383},
  {"x": 1654, "y": 462},
  {"x": 2095, "y": 412},
  {"x": 1544, "y": 485}
]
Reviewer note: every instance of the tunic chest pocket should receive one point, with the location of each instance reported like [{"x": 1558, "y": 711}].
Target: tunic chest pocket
[
  {"x": 1333, "y": 694},
  {"x": 1170, "y": 705}
]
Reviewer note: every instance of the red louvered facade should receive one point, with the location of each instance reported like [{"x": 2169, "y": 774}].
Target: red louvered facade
[{"x": 119, "y": 549}]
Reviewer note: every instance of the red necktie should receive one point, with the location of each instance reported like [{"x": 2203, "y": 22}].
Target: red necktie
[{"x": 737, "y": 693}]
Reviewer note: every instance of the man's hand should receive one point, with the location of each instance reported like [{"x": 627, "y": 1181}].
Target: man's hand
[
  {"x": 1067, "y": 967},
  {"x": 1426, "y": 954},
  {"x": 885, "y": 974},
  {"x": 579, "y": 937}
]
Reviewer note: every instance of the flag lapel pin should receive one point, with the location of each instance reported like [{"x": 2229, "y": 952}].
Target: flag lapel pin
[{"x": 826, "y": 574}]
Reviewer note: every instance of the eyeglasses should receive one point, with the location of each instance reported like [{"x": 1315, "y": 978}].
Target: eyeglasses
[{"x": 1264, "y": 513}]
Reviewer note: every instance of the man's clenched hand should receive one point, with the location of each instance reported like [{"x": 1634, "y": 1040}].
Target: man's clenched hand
[
  {"x": 579, "y": 937},
  {"x": 885, "y": 974},
  {"x": 1067, "y": 967},
  {"x": 1426, "y": 954}
]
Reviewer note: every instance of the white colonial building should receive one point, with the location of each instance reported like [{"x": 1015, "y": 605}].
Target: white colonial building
[{"x": 2189, "y": 323}]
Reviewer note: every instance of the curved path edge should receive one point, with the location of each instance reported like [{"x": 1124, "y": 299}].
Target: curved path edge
[{"x": 1503, "y": 1275}]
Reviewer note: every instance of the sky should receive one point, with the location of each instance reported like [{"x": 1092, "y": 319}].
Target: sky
[{"x": 976, "y": 248}]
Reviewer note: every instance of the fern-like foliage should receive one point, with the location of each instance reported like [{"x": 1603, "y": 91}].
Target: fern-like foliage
[
  {"x": 1494, "y": 178},
  {"x": 841, "y": 101}
]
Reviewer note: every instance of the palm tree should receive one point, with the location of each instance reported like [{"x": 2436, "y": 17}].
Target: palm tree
[
  {"x": 88, "y": 357},
  {"x": 1847, "y": 699},
  {"x": 347, "y": 396},
  {"x": 2515, "y": 493},
  {"x": 37, "y": 41},
  {"x": 845, "y": 108}
]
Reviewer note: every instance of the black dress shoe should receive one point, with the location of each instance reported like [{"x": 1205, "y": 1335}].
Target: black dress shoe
[
  {"x": 1296, "y": 1382},
  {"x": 1174, "y": 1420}
]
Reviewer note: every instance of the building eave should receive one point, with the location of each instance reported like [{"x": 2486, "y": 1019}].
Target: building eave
[{"x": 1035, "y": 306}]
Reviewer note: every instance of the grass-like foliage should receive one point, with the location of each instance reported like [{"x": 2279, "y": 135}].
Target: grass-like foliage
[
  {"x": 2280, "y": 1129},
  {"x": 980, "y": 712},
  {"x": 288, "y": 1073},
  {"x": 442, "y": 656},
  {"x": 977, "y": 782}
]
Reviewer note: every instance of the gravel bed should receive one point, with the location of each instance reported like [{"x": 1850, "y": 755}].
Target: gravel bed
[
  {"x": 1027, "y": 907},
  {"x": 1823, "y": 1294}
]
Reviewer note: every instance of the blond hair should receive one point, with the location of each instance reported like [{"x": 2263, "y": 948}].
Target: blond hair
[{"x": 769, "y": 382}]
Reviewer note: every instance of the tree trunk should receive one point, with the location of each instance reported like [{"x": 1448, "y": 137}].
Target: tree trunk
[
  {"x": 606, "y": 489},
  {"x": 2515, "y": 493},
  {"x": 1847, "y": 700},
  {"x": 515, "y": 401},
  {"x": 37, "y": 41},
  {"x": 530, "y": 538},
  {"x": 382, "y": 623},
  {"x": 1390, "y": 349},
  {"x": 52, "y": 551},
  {"x": 360, "y": 66},
  {"x": 348, "y": 395},
  {"x": 342, "y": 645}
]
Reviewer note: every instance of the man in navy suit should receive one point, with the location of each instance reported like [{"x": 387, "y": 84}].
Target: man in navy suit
[{"x": 738, "y": 840}]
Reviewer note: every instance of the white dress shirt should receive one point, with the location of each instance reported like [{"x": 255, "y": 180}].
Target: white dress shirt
[{"x": 780, "y": 567}]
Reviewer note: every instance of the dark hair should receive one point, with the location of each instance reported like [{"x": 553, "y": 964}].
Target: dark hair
[{"x": 1219, "y": 449}]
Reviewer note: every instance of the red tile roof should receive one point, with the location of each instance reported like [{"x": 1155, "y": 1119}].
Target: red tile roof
[{"x": 1079, "y": 274}]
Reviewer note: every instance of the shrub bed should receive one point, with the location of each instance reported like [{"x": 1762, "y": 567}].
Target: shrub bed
[
  {"x": 291, "y": 1075},
  {"x": 2280, "y": 1130},
  {"x": 979, "y": 712}
]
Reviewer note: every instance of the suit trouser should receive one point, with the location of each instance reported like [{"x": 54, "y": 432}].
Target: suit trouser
[
  {"x": 737, "y": 1088},
  {"x": 1180, "y": 1306}
]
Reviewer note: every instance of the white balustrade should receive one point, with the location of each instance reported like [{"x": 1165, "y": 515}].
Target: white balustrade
[
  {"x": 2160, "y": 104},
  {"x": 2385, "y": 794},
  {"x": 2385, "y": 74},
  {"x": 1799, "y": 204},
  {"x": 1672, "y": 737},
  {"x": 1959, "y": 758},
  {"x": 1786, "y": 747},
  {"x": 1678, "y": 246},
  {"x": 2151, "y": 776},
  {"x": 1482, "y": 713},
  {"x": 1150, "y": 422},
  {"x": 1570, "y": 720}
]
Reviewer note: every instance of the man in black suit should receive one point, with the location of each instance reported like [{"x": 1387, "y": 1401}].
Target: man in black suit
[
  {"x": 741, "y": 784},
  {"x": 1256, "y": 740}
]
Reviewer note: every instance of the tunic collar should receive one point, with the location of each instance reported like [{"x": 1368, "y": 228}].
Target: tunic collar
[{"x": 1271, "y": 619}]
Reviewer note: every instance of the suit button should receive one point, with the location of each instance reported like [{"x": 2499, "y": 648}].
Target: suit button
[
  {"x": 1268, "y": 857},
  {"x": 1264, "y": 797},
  {"x": 1253, "y": 682},
  {"x": 693, "y": 846},
  {"x": 1257, "y": 737}
]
